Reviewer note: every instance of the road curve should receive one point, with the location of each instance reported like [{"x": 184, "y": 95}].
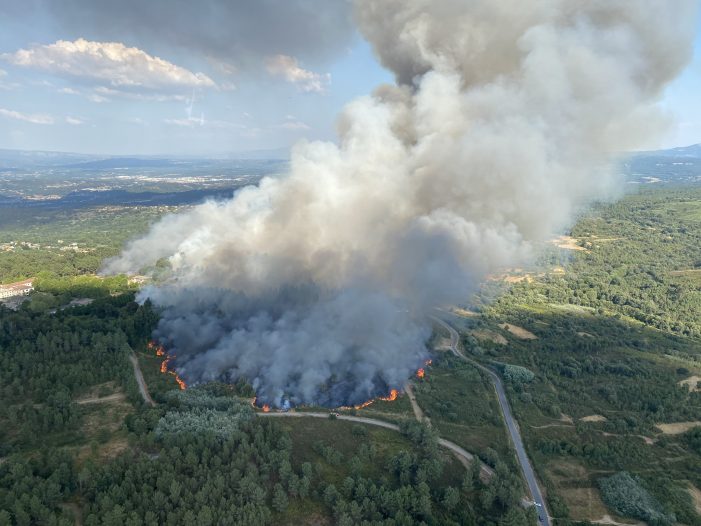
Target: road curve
[
  {"x": 511, "y": 424},
  {"x": 140, "y": 381},
  {"x": 459, "y": 452}
]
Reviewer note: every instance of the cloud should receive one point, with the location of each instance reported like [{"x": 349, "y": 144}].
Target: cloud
[
  {"x": 98, "y": 99},
  {"x": 69, "y": 91},
  {"x": 201, "y": 122},
  {"x": 293, "y": 124},
  {"x": 288, "y": 68},
  {"x": 34, "y": 118},
  {"x": 157, "y": 97},
  {"x": 74, "y": 121},
  {"x": 238, "y": 33},
  {"x": 223, "y": 66},
  {"x": 7, "y": 86},
  {"x": 120, "y": 66}
]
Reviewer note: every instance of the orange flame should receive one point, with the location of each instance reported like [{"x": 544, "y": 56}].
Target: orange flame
[
  {"x": 266, "y": 408},
  {"x": 420, "y": 373},
  {"x": 393, "y": 394},
  {"x": 160, "y": 351},
  {"x": 181, "y": 382}
]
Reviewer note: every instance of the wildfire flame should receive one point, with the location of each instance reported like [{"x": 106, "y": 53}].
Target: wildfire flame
[
  {"x": 393, "y": 394},
  {"x": 181, "y": 382},
  {"x": 266, "y": 408},
  {"x": 363, "y": 405},
  {"x": 160, "y": 351},
  {"x": 421, "y": 373}
]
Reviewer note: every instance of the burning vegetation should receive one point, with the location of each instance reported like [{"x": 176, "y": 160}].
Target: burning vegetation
[
  {"x": 160, "y": 352},
  {"x": 266, "y": 408}
]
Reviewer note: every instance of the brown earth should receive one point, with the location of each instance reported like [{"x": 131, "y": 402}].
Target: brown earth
[
  {"x": 487, "y": 335},
  {"x": 677, "y": 428},
  {"x": 696, "y": 497},
  {"x": 519, "y": 332},
  {"x": 594, "y": 418},
  {"x": 692, "y": 383},
  {"x": 567, "y": 243}
]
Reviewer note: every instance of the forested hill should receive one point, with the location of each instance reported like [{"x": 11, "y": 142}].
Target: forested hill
[{"x": 678, "y": 166}]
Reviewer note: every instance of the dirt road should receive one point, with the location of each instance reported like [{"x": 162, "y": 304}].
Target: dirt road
[{"x": 140, "y": 380}]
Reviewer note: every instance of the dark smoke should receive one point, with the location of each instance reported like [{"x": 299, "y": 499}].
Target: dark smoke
[{"x": 315, "y": 285}]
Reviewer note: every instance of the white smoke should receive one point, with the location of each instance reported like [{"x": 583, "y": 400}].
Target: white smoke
[{"x": 315, "y": 285}]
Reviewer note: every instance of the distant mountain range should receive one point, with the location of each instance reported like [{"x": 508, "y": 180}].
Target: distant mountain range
[
  {"x": 12, "y": 160},
  {"x": 693, "y": 151},
  {"x": 87, "y": 198},
  {"x": 677, "y": 165}
]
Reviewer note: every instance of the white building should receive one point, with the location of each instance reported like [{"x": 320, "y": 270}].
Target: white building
[{"x": 14, "y": 290}]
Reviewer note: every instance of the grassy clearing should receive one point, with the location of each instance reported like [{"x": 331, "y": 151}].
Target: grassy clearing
[
  {"x": 462, "y": 406},
  {"x": 348, "y": 437},
  {"x": 519, "y": 332},
  {"x": 576, "y": 487}
]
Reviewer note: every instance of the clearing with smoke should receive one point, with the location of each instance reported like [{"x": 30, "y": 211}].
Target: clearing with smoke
[{"x": 360, "y": 262}]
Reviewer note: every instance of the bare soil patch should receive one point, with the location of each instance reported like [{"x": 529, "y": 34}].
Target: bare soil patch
[
  {"x": 519, "y": 332},
  {"x": 692, "y": 384},
  {"x": 491, "y": 336},
  {"x": 116, "y": 397},
  {"x": 648, "y": 441},
  {"x": 696, "y": 497},
  {"x": 677, "y": 428},
  {"x": 607, "y": 519},
  {"x": 567, "y": 243},
  {"x": 465, "y": 313},
  {"x": 593, "y": 418}
]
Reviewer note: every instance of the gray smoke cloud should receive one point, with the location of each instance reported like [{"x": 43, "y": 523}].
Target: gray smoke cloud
[
  {"x": 240, "y": 33},
  {"x": 315, "y": 285}
]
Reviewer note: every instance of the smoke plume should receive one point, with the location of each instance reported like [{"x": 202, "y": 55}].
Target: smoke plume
[{"x": 315, "y": 285}]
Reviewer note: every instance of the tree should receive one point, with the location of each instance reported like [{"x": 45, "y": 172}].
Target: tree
[
  {"x": 451, "y": 497},
  {"x": 279, "y": 498}
]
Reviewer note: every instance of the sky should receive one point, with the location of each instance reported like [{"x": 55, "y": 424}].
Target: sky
[{"x": 174, "y": 77}]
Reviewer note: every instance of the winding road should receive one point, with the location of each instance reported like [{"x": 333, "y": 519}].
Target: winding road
[
  {"x": 511, "y": 424},
  {"x": 462, "y": 455}
]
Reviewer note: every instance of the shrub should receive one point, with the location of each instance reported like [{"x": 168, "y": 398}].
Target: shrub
[
  {"x": 624, "y": 494},
  {"x": 516, "y": 373}
]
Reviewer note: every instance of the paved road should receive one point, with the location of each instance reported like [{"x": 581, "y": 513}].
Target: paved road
[
  {"x": 511, "y": 424},
  {"x": 140, "y": 380},
  {"x": 464, "y": 457}
]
